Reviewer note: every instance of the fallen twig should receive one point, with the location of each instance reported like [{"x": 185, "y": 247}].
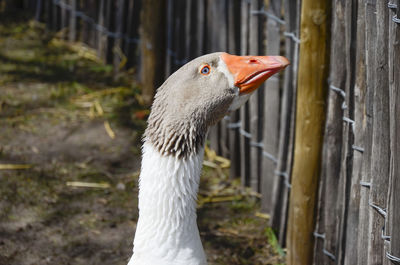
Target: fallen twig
[
  {"x": 203, "y": 201},
  {"x": 262, "y": 215},
  {"x": 90, "y": 96},
  {"x": 88, "y": 184},
  {"x": 14, "y": 166},
  {"x": 109, "y": 131},
  {"x": 98, "y": 108}
]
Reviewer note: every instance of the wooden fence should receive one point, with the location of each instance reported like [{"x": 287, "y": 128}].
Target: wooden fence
[
  {"x": 321, "y": 142},
  {"x": 358, "y": 203}
]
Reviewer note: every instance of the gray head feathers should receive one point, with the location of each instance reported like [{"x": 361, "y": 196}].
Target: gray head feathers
[{"x": 187, "y": 104}]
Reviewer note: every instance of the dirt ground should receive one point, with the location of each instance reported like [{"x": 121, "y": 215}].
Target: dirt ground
[{"x": 70, "y": 140}]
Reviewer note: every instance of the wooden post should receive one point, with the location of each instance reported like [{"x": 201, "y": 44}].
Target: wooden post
[
  {"x": 312, "y": 82},
  {"x": 152, "y": 46}
]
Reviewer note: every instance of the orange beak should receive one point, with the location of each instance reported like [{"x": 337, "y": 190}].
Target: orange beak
[{"x": 251, "y": 71}]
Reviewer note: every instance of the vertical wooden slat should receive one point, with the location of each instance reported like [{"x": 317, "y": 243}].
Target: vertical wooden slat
[
  {"x": 102, "y": 39},
  {"x": 72, "y": 22},
  {"x": 223, "y": 46},
  {"x": 107, "y": 41},
  {"x": 137, "y": 7},
  {"x": 209, "y": 37},
  {"x": 190, "y": 30},
  {"x": 244, "y": 111},
  {"x": 57, "y": 17},
  {"x": 351, "y": 255},
  {"x": 53, "y": 25},
  {"x": 48, "y": 13},
  {"x": 234, "y": 48},
  {"x": 87, "y": 31},
  {"x": 170, "y": 29},
  {"x": 179, "y": 47},
  {"x": 217, "y": 42},
  {"x": 30, "y": 5},
  {"x": 126, "y": 46},
  {"x": 64, "y": 21},
  {"x": 93, "y": 12},
  {"x": 280, "y": 189},
  {"x": 234, "y": 26},
  {"x": 80, "y": 5},
  {"x": 394, "y": 86},
  {"x": 119, "y": 18},
  {"x": 271, "y": 112},
  {"x": 200, "y": 27},
  {"x": 345, "y": 181},
  {"x": 313, "y": 71},
  {"x": 295, "y": 64},
  {"x": 110, "y": 25},
  {"x": 319, "y": 233},
  {"x": 255, "y": 101},
  {"x": 53, "y": 10},
  {"x": 124, "y": 31},
  {"x": 234, "y": 146},
  {"x": 39, "y": 8},
  {"x": 130, "y": 48},
  {"x": 213, "y": 45},
  {"x": 370, "y": 40},
  {"x": 152, "y": 46},
  {"x": 380, "y": 137},
  {"x": 81, "y": 28}
]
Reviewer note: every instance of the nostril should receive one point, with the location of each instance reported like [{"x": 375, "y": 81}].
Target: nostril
[{"x": 252, "y": 60}]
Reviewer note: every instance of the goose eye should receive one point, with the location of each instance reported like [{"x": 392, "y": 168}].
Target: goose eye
[{"x": 205, "y": 70}]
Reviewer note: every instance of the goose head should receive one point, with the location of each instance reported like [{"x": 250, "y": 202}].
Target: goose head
[{"x": 201, "y": 93}]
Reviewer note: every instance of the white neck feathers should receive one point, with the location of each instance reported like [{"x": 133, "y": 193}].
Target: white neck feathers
[{"x": 167, "y": 231}]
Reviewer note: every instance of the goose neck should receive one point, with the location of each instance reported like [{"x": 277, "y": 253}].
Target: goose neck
[{"x": 167, "y": 228}]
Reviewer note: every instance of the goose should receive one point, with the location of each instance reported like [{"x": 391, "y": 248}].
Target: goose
[{"x": 192, "y": 99}]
